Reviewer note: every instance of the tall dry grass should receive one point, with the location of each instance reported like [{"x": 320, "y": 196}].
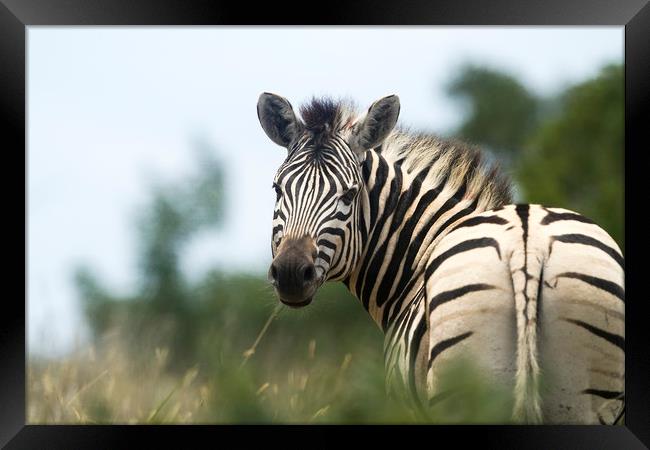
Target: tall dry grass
[
  {"x": 101, "y": 384},
  {"x": 287, "y": 371}
]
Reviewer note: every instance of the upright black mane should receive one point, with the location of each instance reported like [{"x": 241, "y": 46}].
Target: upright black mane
[{"x": 324, "y": 116}]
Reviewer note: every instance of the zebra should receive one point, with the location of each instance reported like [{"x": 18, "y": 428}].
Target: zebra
[{"x": 423, "y": 231}]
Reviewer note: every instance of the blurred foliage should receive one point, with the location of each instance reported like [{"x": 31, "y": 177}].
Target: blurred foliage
[
  {"x": 176, "y": 351},
  {"x": 500, "y": 113},
  {"x": 163, "y": 311},
  {"x": 564, "y": 151},
  {"x": 575, "y": 158}
]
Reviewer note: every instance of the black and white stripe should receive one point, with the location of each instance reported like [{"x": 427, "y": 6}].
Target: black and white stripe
[{"x": 316, "y": 188}]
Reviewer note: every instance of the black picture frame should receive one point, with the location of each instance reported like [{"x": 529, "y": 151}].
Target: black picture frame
[{"x": 634, "y": 15}]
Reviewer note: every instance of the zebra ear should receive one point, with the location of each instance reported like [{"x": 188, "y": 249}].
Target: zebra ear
[
  {"x": 278, "y": 119},
  {"x": 377, "y": 125}
]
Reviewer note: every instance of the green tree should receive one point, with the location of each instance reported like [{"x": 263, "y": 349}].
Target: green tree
[
  {"x": 575, "y": 158},
  {"x": 176, "y": 213},
  {"x": 564, "y": 150},
  {"x": 162, "y": 311},
  {"x": 501, "y": 112}
]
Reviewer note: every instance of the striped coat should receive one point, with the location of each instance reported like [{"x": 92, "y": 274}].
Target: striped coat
[{"x": 423, "y": 232}]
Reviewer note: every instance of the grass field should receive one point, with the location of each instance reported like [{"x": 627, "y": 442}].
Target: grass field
[{"x": 105, "y": 383}]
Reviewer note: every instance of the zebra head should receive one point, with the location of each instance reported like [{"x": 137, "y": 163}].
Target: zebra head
[{"x": 317, "y": 225}]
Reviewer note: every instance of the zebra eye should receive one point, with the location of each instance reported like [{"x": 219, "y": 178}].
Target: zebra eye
[
  {"x": 278, "y": 191},
  {"x": 349, "y": 195}
]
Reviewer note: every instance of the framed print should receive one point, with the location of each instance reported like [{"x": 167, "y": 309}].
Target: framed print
[{"x": 449, "y": 192}]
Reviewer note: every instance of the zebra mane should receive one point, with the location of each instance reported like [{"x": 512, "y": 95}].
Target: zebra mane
[
  {"x": 324, "y": 116},
  {"x": 452, "y": 163}
]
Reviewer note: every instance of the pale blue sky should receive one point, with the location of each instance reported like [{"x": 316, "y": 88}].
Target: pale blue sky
[{"x": 111, "y": 109}]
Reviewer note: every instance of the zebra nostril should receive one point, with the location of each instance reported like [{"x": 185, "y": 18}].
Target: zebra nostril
[
  {"x": 308, "y": 274},
  {"x": 273, "y": 272}
]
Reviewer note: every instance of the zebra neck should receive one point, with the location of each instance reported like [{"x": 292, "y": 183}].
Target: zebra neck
[{"x": 403, "y": 218}]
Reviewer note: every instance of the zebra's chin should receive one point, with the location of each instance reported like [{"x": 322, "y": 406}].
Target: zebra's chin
[
  {"x": 299, "y": 304},
  {"x": 298, "y": 298}
]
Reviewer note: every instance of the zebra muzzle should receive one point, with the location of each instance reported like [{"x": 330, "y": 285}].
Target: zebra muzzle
[{"x": 293, "y": 274}]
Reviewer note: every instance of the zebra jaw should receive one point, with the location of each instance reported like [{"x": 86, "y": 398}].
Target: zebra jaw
[{"x": 298, "y": 304}]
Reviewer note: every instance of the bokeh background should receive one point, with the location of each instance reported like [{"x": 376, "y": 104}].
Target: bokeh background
[{"x": 150, "y": 205}]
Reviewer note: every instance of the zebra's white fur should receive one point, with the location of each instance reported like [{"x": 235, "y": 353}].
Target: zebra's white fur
[{"x": 588, "y": 362}]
